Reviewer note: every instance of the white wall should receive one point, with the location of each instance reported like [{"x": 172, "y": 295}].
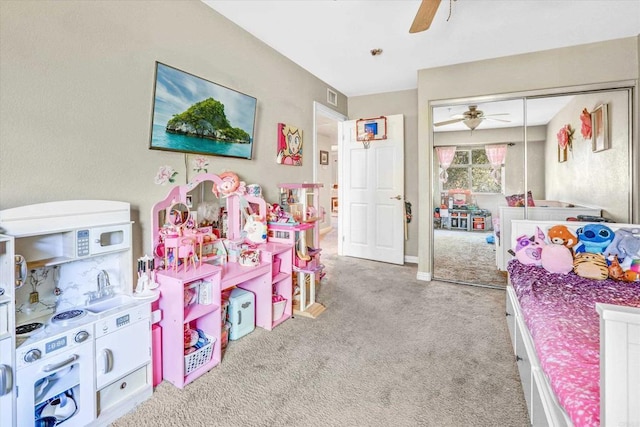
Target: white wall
[
  {"x": 76, "y": 91},
  {"x": 538, "y": 71}
]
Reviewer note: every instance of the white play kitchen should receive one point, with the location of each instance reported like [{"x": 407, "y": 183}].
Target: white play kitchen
[{"x": 75, "y": 340}]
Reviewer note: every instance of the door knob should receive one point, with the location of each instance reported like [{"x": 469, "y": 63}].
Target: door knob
[{"x": 398, "y": 197}]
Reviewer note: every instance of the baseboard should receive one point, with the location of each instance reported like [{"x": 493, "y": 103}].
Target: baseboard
[
  {"x": 410, "y": 259},
  {"x": 423, "y": 276}
]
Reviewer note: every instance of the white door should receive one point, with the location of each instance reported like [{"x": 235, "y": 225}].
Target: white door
[{"x": 372, "y": 194}]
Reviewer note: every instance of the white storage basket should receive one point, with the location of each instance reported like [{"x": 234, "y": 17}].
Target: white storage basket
[{"x": 201, "y": 356}]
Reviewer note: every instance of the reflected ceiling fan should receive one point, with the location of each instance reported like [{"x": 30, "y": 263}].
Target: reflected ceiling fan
[
  {"x": 425, "y": 14},
  {"x": 472, "y": 118}
]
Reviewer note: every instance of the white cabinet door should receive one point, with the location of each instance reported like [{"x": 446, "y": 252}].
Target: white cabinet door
[{"x": 122, "y": 351}]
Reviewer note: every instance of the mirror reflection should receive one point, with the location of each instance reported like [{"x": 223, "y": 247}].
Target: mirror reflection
[{"x": 505, "y": 159}]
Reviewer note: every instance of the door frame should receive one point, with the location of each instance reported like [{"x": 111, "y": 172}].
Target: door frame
[{"x": 323, "y": 110}]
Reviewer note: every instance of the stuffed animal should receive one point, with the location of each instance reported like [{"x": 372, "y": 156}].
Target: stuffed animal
[
  {"x": 626, "y": 243},
  {"x": 615, "y": 270},
  {"x": 594, "y": 238},
  {"x": 557, "y": 259},
  {"x": 255, "y": 229},
  {"x": 560, "y": 235},
  {"x": 529, "y": 249},
  {"x": 591, "y": 266}
]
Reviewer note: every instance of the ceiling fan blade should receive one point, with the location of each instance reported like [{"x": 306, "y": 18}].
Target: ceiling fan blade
[
  {"x": 497, "y": 114},
  {"x": 424, "y": 16},
  {"x": 448, "y": 122},
  {"x": 496, "y": 120}
]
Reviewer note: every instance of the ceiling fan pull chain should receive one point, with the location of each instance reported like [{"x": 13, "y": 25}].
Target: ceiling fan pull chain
[{"x": 450, "y": 3}]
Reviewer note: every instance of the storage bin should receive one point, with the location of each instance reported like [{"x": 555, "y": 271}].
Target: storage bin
[
  {"x": 278, "y": 309},
  {"x": 201, "y": 356}
]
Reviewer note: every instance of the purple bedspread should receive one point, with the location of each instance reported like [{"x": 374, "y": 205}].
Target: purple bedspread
[{"x": 560, "y": 312}]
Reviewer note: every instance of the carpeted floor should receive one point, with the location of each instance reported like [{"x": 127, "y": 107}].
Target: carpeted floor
[
  {"x": 465, "y": 256},
  {"x": 389, "y": 350}
]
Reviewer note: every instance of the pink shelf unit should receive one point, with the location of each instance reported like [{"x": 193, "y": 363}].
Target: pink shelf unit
[
  {"x": 175, "y": 315},
  {"x": 279, "y": 256}
]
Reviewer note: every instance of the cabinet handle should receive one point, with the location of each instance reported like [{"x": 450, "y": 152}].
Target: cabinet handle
[
  {"x": 239, "y": 317},
  {"x": 49, "y": 368},
  {"x": 518, "y": 358},
  {"x": 507, "y": 314},
  {"x": 6, "y": 380},
  {"x": 108, "y": 360}
]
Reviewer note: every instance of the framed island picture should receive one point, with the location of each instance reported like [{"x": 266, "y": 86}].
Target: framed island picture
[{"x": 194, "y": 115}]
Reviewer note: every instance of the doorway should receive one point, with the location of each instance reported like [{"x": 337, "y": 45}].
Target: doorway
[{"x": 326, "y": 124}]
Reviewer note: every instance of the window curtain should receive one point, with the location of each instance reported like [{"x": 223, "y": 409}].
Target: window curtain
[
  {"x": 496, "y": 154},
  {"x": 445, "y": 157}
]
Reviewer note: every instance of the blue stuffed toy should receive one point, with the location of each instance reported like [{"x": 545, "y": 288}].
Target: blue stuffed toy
[{"x": 594, "y": 238}]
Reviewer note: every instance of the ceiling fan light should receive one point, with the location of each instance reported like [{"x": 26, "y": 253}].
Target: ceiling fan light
[{"x": 472, "y": 123}]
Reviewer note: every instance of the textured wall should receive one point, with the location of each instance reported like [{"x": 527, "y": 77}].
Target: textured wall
[{"x": 76, "y": 86}]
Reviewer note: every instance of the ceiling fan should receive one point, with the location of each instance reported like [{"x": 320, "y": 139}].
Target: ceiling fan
[
  {"x": 425, "y": 14},
  {"x": 472, "y": 118}
]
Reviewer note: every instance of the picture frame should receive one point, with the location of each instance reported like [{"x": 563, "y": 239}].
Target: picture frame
[
  {"x": 324, "y": 157},
  {"x": 600, "y": 128},
  {"x": 290, "y": 144},
  {"x": 224, "y": 123},
  {"x": 562, "y": 154}
]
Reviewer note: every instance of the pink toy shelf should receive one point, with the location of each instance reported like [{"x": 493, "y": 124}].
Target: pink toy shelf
[{"x": 197, "y": 261}]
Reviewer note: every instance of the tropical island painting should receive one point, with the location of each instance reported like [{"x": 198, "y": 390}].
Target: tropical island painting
[{"x": 194, "y": 115}]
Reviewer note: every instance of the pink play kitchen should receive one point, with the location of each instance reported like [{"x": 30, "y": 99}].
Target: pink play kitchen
[{"x": 75, "y": 338}]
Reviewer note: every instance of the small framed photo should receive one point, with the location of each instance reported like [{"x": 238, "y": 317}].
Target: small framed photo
[
  {"x": 189, "y": 201},
  {"x": 600, "y": 129},
  {"x": 562, "y": 154},
  {"x": 324, "y": 157}
]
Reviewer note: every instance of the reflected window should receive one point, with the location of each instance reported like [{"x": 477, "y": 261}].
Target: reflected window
[{"x": 471, "y": 169}]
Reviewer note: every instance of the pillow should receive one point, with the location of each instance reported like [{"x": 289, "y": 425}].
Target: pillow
[{"x": 517, "y": 200}]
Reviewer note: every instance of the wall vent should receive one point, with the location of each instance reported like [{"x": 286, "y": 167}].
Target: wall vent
[{"x": 332, "y": 97}]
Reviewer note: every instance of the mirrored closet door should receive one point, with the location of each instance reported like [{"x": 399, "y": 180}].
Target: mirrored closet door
[{"x": 525, "y": 157}]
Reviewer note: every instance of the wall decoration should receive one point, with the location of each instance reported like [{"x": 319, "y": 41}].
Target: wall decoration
[
  {"x": 324, "y": 157},
  {"x": 565, "y": 137},
  {"x": 194, "y": 115},
  {"x": 200, "y": 164},
  {"x": 289, "y": 145},
  {"x": 600, "y": 126},
  {"x": 562, "y": 154},
  {"x": 165, "y": 174},
  {"x": 585, "y": 128}
]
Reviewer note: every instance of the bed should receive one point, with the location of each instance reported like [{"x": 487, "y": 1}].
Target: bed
[{"x": 576, "y": 342}]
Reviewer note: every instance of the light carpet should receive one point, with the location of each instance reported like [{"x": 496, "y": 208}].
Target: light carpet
[
  {"x": 389, "y": 350},
  {"x": 466, "y": 257}
]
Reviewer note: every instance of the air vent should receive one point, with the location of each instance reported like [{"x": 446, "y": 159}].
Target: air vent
[{"x": 332, "y": 97}]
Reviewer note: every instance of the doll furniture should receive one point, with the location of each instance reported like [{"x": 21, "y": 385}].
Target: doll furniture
[
  {"x": 190, "y": 289},
  {"x": 576, "y": 341},
  {"x": 302, "y": 202}
]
